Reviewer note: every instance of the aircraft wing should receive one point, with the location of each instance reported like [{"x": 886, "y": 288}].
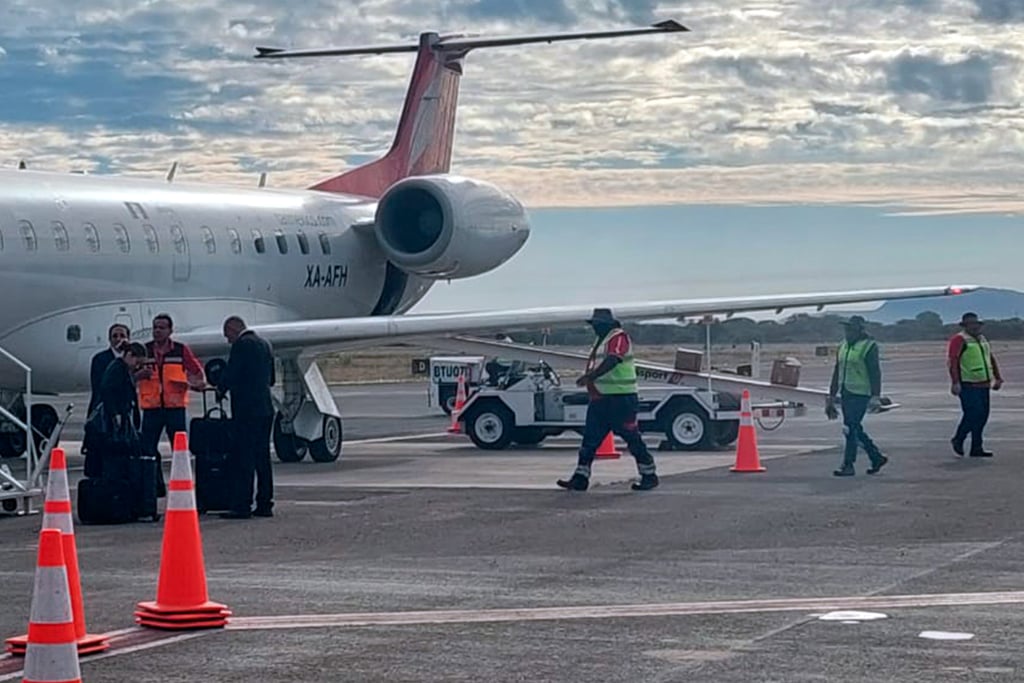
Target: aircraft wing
[{"x": 325, "y": 335}]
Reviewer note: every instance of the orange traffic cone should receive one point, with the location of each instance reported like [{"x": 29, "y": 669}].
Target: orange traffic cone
[
  {"x": 460, "y": 402},
  {"x": 57, "y": 515},
  {"x": 607, "y": 451},
  {"x": 52, "y": 654},
  {"x": 181, "y": 598},
  {"x": 747, "y": 459}
]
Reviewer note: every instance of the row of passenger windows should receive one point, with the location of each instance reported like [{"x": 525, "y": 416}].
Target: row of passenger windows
[{"x": 122, "y": 240}]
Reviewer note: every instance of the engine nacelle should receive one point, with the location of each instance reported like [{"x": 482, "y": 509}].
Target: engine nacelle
[{"x": 449, "y": 227}]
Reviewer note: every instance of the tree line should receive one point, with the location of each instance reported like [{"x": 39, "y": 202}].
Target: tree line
[{"x": 801, "y": 328}]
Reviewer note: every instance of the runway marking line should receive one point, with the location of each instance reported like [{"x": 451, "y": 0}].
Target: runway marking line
[
  {"x": 136, "y": 639},
  {"x": 621, "y": 611}
]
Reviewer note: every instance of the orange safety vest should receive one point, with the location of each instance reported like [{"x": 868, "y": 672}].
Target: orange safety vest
[{"x": 168, "y": 386}]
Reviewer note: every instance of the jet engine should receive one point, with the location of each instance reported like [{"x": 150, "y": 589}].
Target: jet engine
[{"x": 449, "y": 227}]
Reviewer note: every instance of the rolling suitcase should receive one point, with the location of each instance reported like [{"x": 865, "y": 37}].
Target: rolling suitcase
[
  {"x": 210, "y": 442},
  {"x": 105, "y": 500},
  {"x": 142, "y": 475}
]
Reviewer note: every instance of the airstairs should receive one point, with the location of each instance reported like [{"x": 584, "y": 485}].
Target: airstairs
[{"x": 16, "y": 495}]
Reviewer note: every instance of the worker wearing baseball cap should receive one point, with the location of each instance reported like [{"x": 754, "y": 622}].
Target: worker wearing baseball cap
[
  {"x": 857, "y": 384},
  {"x": 974, "y": 373},
  {"x": 611, "y": 383}
]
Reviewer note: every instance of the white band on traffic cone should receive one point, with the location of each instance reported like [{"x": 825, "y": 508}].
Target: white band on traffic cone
[
  {"x": 181, "y": 466},
  {"x": 51, "y": 603},
  {"x": 61, "y": 521},
  {"x": 181, "y": 500},
  {"x": 52, "y": 663}
]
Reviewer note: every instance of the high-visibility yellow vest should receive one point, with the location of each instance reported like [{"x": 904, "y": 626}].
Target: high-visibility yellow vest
[
  {"x": 975, "y": 360},
  {"x": 853, "y": 367},
  {"x": 619, "y": 380}
]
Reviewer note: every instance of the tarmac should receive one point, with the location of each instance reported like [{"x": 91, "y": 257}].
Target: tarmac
[{"x": 417, "y": 557}]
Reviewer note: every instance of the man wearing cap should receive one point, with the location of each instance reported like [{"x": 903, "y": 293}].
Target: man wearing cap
[
  {"x": 612, "y": 387},
  {"x": 974, "y": 373},
  {"x": 857, "y": 383}
]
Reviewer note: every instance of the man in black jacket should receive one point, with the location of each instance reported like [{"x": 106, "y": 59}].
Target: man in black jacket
[
  {"x": 117, "y": 333},
  {"x": 248, "y": 377}
]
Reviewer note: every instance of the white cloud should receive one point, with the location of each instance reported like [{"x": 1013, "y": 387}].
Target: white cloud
[{"x": 791, "y": 101}]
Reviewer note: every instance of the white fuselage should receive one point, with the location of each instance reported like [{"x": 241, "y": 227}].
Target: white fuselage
[{"x": 78, "y": 253}]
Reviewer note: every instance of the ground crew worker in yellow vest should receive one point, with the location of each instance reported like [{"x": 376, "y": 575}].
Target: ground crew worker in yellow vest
[
  {"x": 857, "y": 384},
  {"x": 612, "y": 387},
  {"x": 974, "y": 373},
  {"x": 171, "y": 369}
]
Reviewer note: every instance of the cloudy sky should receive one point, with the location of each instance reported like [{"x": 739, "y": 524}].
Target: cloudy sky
[
  {"x": 799, "y": 100},
  {"x": 908, "y": 106}
]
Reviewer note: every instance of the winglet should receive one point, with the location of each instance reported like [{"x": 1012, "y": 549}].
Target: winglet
[
  {"x": 267, "y": 51},
  {"x": 670, "y": 25}
]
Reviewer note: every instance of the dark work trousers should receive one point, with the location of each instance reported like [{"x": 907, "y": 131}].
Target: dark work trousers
[
  {"x": 613, "y": 414},
  {"x": 854, "y": 408},
  {"x": 252, "y": 457},
  {"x": 154, "y": 422},
  {"x": 974, "y": 401}
]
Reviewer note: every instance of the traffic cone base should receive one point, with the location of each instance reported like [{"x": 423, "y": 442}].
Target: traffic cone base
[
  {"x": 747, "y": 458},
  {"x": 163, "y": 611},
  {"x": 181, "y": 625},
  {"x": 89, "y": 644},
  {"x": 607, "y": 450},
  {"x": 181, "y": 597}
]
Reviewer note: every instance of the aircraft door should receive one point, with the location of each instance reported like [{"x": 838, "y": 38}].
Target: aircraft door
[{"x": 182, "y": 260}]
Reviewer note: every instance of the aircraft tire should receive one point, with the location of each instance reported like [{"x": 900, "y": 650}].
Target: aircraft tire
[
  {"x": 289, "y": 447},
  {"x": 328, "y": 447}
]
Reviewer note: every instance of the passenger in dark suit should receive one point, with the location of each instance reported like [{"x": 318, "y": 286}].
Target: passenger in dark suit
[
  {"x": 117, "y": 388},
  {"x": 115, "y": 335},
  {"x": 248, "y": 377},
  {"x": 120, "y": 402}
]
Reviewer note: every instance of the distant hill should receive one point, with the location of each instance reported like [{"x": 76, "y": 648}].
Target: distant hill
[{"x": 994, "y": 304}]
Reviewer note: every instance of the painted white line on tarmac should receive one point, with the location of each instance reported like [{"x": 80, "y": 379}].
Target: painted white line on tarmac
[
  {"x": 14, "y": 675},
  {"x": 620, "y": 611},
  {"x": 391, "y": 439}
]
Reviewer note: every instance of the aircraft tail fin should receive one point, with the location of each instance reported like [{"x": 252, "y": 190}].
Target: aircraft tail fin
[{"x": 426, "y": 128}]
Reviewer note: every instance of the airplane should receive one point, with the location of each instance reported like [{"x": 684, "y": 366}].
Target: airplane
[{"x": 334, "y": 266}]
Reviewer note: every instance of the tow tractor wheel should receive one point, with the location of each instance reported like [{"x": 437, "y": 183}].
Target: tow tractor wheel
[
  {"x": 490, "y": 426},
  {"x": 687, "y": 427},
  {"x": 328, "y": 447},
  {"x": 726, "y": 432},
  {"x": 289, "y": 447},
  {"x": 528, "y": 436},
  {"x": 446, "y": 397}
]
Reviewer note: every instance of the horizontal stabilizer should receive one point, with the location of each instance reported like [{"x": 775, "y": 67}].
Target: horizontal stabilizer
[{"x": 464, "y": 44}]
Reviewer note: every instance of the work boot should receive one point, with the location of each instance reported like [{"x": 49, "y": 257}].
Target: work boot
[
  {"x": 878, "y": 464},
  {"x": 958, "y": 446},
  {"x": 844, "y": 471},
  {"x": 577, "y": 482},
  {"x": 646, "y": 483}
]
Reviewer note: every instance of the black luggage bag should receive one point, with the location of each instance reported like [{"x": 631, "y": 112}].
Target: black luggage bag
[
  {"x": 210, "y": 441},
  {"x": 105, "y": 501},
  {"x": 125, "y": 491}
]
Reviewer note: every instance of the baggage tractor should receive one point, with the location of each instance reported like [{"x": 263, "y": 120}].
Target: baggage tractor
[{"x": 210, "y": 441}]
